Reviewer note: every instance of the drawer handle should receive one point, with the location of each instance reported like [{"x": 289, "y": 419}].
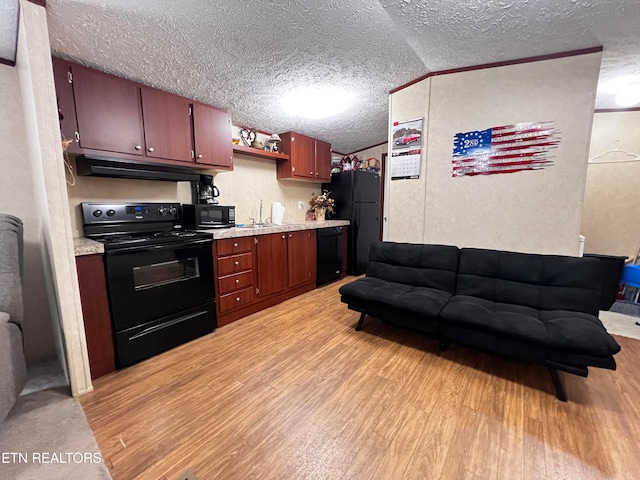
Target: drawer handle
[
  {"x": 237, "y": 281},
  {"x": 235, "y": 244},
  {"x": 237, "y": 299},
  {"x": 150, "y": 149},
  {"x": 236, "y": 263}
]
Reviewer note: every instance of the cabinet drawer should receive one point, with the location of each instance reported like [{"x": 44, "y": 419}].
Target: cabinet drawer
[
  {"x": 236, "y": 299},
  {"x": 234, "y": 264},
  {"x": 235, "y": 282},
  {"x": 232, "y": 246}
]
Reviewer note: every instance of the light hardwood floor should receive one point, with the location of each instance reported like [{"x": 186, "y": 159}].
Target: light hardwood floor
[{"x": 294, "y": 392}]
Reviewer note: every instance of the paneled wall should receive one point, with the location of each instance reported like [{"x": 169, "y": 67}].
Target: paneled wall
[
  {"x": 611, "y": 218},
  {"x": 531, "y": 211}
]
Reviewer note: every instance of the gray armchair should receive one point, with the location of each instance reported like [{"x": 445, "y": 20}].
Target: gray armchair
[{"x": 13, "y": 371}]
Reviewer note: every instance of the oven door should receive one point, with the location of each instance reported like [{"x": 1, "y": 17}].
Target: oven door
[{"x": 151, "y": 282}]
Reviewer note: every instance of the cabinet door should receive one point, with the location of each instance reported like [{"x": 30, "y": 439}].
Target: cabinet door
[
  {"x": 301, "y": 253},
  {"x": 66, "y": 107},
  {"x": 108, "y": 112},
  {"x": 212, "y": 135},
  {"x": 323, "y": 161},
  {"x": 95, "y": 313},
  {"x": 303, "y": 156},
  {"x": 272, "y": 263},
  {"x": 167, "y": 125}
]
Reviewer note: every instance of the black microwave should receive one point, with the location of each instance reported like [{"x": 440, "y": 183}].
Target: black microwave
[{"x": 208, "y": 216}]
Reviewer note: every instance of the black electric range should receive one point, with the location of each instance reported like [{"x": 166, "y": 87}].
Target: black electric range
[{"x": 159, "y": 276}]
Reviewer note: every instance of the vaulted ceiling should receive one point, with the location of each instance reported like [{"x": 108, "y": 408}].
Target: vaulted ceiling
[{"x": 245, "y": 56}]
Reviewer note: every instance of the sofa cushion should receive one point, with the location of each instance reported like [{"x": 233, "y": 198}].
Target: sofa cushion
[
  {"x": 429, "y": 266},
  {"x": 11, "y": 267},
  {"x": 557, "y": 329},
  {"x": 417, "y": 300},
  {"x": 13, "y": 371},
  {"x": 542, "y": 282}
]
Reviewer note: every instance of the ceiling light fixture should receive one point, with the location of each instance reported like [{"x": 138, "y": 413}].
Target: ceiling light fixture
[
  {"x": 316, "y": 102},
  {"x": 629, "y": 95}
]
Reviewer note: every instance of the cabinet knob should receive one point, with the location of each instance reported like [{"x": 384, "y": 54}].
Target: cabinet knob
[
  {"x": 237, "y": 281},
  {"x": 200, "y": 156},
  {"x": 235, "y": 244},
  {"x": 150, "y": 149},
  {"x": 316, "y": 174},
  {"x": 138, "y": 147},
  {"x": 236, "y": 263},
  {"x": 237, "y": 299},
  {"x": 282, "y": 236},
  {"x": 310, "y": 173},
  {"x": 290, "y": 236}
]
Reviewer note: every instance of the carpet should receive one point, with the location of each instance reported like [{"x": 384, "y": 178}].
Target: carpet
[
  {"x": 620, "y": 324},
  {"x": 46, "y": 436}
]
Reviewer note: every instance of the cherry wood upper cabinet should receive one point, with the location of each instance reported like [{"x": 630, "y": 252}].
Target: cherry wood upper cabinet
[
  {"x": 323, "y": 161},
  {"x": 108, "y": 112},
  {"x": 271, "y": 253},
  {"x": 309, "y": 159},
  {"x": 167, "y": 125},
  {"x": 66, "y": 105},
  {"x": 212, "y": 136},
  {"x": 111, "y": 116},
  {"x": 301, "y": 251}
]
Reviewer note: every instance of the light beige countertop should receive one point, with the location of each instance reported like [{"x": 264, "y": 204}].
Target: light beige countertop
[
  {"x": 219, "y": 234},
  {"x": 84, "y": 246}
]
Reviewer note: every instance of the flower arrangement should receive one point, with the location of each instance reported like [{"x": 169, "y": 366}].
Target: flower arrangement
[{"x": 323, "y": 200}]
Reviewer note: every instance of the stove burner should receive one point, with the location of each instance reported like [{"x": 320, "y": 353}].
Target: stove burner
[{"x": 137, "y": 224}]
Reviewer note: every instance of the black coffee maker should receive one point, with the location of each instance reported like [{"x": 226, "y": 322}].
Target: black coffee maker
[{"x": 207, "y": 192}]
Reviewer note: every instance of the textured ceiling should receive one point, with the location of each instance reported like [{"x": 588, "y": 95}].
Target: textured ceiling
[{"x": 244, "y": 55}]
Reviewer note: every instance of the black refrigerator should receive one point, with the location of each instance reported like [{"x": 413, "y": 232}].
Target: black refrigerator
[{"x": 357, "y": 196}]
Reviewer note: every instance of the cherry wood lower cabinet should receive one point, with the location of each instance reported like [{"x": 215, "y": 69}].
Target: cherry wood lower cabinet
[
  {"x": 272, "y": 263},
  {"x": 257, "y": 272},
  {"x": 96, "y": 315},
  {"x": 301, "y": 261}
]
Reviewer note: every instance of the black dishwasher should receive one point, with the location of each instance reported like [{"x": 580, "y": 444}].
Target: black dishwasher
[{"x": 329, "y": 254}]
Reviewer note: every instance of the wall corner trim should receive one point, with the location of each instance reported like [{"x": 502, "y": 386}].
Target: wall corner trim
[
  {"x": 617, "y": 110},
  {"x": 550, "y": 56}
]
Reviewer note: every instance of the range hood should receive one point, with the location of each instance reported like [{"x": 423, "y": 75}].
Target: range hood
[{"x": 93, "y": 165}]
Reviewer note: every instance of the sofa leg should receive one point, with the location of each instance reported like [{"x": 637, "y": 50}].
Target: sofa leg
[
  {"x": 360, "y": 322},
  {"x": 557, "y": 384}
]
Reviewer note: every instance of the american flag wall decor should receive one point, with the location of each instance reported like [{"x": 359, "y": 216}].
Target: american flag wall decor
[{"x": 505, "y": 149}]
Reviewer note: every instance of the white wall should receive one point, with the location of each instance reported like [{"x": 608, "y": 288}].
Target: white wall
[
  {"x": 405, "y": 199},
  {"x": 35, "y": 76},
  {"x": 17, "y": 198},
  {"x": 254, "y": 179},
  {"x": 373, "y": 152},
  {"x": 531, "y": 211},
  {"x": 97, "y": 189},
  {"x": 611, "y": 218}
]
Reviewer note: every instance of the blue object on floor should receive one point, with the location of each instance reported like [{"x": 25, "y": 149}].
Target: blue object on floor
[{"x": 631, "y": 275}]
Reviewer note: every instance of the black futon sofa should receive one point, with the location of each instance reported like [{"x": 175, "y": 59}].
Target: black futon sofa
[{"x": 534, "y": 308}]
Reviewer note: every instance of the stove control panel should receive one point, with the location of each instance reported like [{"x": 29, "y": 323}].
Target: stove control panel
[{"x": 100, "y": 213}]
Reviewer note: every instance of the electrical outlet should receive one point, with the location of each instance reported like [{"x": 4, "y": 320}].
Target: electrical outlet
[
  {"x": 300, "y": 205},
  {"x": 187, "y": 476}
]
